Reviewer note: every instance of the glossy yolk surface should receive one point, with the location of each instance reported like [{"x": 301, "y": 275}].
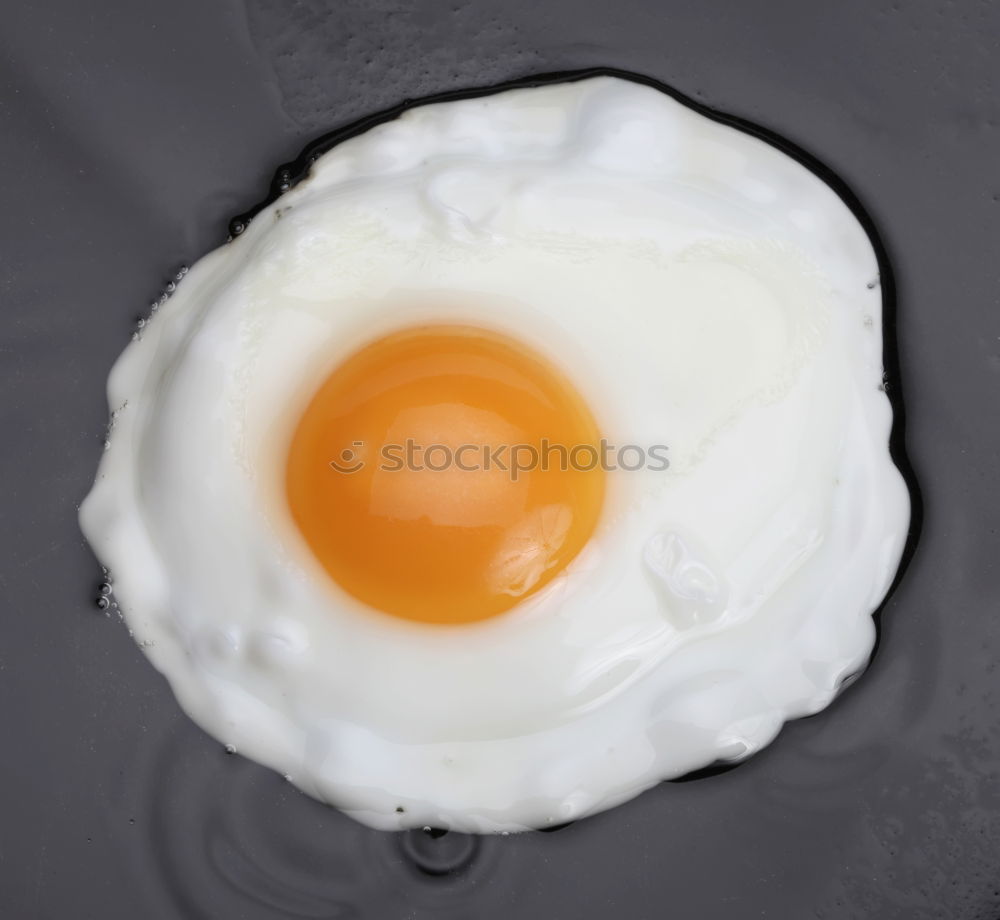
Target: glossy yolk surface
[{"x": 401, "y": 474}]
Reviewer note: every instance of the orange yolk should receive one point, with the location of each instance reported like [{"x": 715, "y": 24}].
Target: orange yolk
[{"x": 401, "y": 474}]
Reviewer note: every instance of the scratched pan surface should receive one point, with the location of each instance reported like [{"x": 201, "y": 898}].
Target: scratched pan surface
[{"x": 132, "y": 132}]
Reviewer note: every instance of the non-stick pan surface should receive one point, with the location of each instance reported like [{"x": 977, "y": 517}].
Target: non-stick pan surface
[{"x": 131, "y": 132}]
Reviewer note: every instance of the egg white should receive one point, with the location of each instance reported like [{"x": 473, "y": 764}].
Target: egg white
[{"x": 701, "y": 288}]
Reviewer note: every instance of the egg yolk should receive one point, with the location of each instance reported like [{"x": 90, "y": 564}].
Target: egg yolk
[{"x": 412, "y": 478}]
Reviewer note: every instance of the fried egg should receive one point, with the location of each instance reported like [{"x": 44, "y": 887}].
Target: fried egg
[{"x": 590, "y": 264}]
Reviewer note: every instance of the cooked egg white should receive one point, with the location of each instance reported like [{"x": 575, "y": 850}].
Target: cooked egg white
[{"x": 695, "y": 287}]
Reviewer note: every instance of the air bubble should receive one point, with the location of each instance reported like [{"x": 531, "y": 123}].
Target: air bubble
[
  {"x": 230, "y": 748},
  {"x": 103, "y": 603},
  {"x": 437, "y": 852},
  {"x": 694, "y": 590}
]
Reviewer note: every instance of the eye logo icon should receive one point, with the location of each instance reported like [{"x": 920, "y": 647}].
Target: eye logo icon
[{"x": 349, "y": 460}]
